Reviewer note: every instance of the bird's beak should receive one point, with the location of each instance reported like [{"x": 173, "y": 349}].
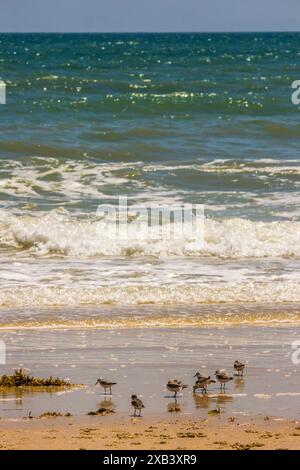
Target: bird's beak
[{"x": 195, "y": 375}]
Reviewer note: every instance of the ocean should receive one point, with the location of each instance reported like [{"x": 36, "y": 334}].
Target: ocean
[{"x": 161, "y": 119}]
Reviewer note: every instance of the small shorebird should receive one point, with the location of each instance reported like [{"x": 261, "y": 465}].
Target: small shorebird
[
  {"x": 105, "y": 384},
  {"x": 202, "y": 382},
  {"x": 223, "y": 377},
  {"x": 239, "y": 367},
  {"x": 175, "y": 386},
  {"x": 137, "y": 404}
]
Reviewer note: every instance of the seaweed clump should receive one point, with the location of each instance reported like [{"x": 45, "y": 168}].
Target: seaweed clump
[
  {"x": 54, "y": 414},
  {"x": 22, "y": 379},
  {"x": 102, "y": 411}
]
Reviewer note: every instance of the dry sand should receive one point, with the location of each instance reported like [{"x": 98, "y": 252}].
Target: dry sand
[{"x": 103, "y": 432}]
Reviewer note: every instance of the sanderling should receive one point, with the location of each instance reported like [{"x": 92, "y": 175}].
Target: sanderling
[
  {"x": 223, "y": 377},
  {"x": 175, "y": 386},
  {"x": 137, "y": 404},
  {"x": 202, "y": 382},
  {"x": 105, "y": 384},
  {"x": 239, "y": 367}
]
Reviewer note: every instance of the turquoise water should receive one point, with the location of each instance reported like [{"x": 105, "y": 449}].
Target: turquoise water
[{"x": 163, "y": 118}]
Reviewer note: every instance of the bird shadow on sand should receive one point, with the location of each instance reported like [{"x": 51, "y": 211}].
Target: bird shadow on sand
[
  {"x": 239, "y": 383},
  {"x": 172, "y": 396},
  {"x": 174, "y": 406},
  {"x": 107, "y": 403}
]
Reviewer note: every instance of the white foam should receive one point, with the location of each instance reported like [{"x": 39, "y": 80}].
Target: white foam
[
  {"x": 56, "y": 258},
  {"x": 262, "y": 396},
  {"x": 57, "y": 232},
  {"x": 154, "y": 293}
]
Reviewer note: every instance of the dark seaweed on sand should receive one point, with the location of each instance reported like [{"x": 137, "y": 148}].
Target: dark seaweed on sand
[{"x": 21, "y": 379}]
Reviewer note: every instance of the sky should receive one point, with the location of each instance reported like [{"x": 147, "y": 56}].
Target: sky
[{"x": 148, "y": 15}]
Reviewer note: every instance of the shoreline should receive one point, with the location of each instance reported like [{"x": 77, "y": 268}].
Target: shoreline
[{"x": 153, "y": 316}]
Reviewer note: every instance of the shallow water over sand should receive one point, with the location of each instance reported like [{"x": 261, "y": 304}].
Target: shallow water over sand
[
  {"x": 142, "y": 360},
  {"x": 150, "y": 316}
]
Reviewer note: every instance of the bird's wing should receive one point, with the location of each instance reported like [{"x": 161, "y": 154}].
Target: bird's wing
[
  {"x": 137, "y": 402},
  {"x": 222, "y": 375},
  {"x": 202, "y": 379}
]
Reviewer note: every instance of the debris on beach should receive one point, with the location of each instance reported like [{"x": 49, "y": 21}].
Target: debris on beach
[
  {"x": 20, "y": 378},
  {"x": 101, "y": 411},
  {"x": 215, "y": 412},
  {"x": 54, "y": 414}
]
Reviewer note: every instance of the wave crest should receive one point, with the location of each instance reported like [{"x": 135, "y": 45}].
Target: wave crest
[{"x": 59, "y": 233}]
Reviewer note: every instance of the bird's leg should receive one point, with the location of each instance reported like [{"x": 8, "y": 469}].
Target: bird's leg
[
  {"x": 105, "y": 391},
  {"x": 140, "y": 412},
  {"x": 134, "y": 414},
  {"x": 175, "y": 395},
  {"x": 110, "y": 390}
]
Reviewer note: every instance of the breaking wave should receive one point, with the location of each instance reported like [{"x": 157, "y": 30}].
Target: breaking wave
[{"x": 59, "y": 233}]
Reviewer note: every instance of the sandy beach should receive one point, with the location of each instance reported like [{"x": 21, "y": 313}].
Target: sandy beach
[
  {"x": 259, "y": 410},
  {"x": 108, "y": 433}
]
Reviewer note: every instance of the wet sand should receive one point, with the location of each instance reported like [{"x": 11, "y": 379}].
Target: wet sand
[
  {"x": 141, "y": 361},
  {"x": 151, "y": 433}
]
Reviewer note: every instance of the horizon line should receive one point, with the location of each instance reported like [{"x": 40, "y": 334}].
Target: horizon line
[{"x": 154, "y": 32}]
